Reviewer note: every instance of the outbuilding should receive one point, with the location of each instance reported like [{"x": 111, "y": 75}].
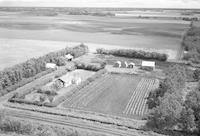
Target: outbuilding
[
  {"x": 51, "y": 66},
  {"x": 69, "y": 57},
  {"x": 131, "y": 65},
  {"x": 118, "y": 64},
  {"x": 149, "y": 64}
]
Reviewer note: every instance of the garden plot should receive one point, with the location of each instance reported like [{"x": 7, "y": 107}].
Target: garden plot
[
  {"x": 114, "y": 94},
  {"x": 137, "y": 102}
]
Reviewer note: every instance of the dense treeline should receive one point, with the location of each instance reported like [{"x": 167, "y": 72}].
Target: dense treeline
[
  {"x": 134, "y": 54},
  {"x": 90, "y": 66},
  {"x": 15, "y": 74},
  {"x": 191, "y": 43},
  {"x": 170, "y": 108}
]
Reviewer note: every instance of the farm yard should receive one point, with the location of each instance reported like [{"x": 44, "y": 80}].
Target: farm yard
[
  {"x": 115, "y": 94},
  {"x": 53, "y": 90},
  {"x": 108, "y": 84}
]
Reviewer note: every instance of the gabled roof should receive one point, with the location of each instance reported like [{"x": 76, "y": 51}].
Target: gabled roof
[{"x": 148, "y": 63}]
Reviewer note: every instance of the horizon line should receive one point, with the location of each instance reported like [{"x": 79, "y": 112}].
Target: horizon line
[{"x": 99, "y": 7}]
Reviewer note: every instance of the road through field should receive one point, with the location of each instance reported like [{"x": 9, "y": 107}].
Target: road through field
[{"x": 76, "y": 123}]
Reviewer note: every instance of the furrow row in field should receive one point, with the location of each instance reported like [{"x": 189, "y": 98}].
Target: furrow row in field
[
  {"x": 94, "y": 94},
  {"x": 138, "y": 97},
  {"x": 81, "y": 91},
  {"x": 142, "y": 106},
  {"x": 87, "y": 91},
  {"x": 132, "y": 96},
  {"x": 137, "y": 102},
  {"x": 92, "y": 91}
]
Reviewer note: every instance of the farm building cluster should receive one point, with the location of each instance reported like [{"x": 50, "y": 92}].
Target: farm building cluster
[
  {"x": 67, "y": 57},
  {"x": 144, "y": 65}
]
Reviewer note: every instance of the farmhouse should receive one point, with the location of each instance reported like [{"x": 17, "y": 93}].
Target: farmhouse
[
  {"x": 69, "y": 57},
  {"x": 131, "y": 65},
  {"x": 148, "y": 64},
  {"x": 118, "y": 64},
  {"x": 51, "y": 66}
]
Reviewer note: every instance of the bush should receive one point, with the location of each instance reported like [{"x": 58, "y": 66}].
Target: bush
[
  {"x": 196, "y": 74},
  {"x": 90, "y": 66},
  {"x": 133, "y": 54}
]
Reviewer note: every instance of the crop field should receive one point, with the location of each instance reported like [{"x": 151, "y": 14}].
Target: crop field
[
  {"x": 115, "y": 94},
  {"x": 127, "y": 32}
]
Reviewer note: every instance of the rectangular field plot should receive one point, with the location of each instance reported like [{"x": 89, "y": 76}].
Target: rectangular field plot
[{"x": 115, "y": 94}]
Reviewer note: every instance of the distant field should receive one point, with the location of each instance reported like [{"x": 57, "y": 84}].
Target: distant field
[
  {"x": 122, "y": 95},
  {"x": 16, "y": 51},
  {"x": 128, "y": 32}
]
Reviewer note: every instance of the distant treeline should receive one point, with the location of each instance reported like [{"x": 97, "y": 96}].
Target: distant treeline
[
  {"x": 134, "y": 54},
  {"x": 13, "y": 75},
  {"x": 191, "y": 43}
]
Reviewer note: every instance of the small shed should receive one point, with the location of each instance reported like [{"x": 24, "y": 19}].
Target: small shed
[
  {"x": 51, "y": 66},
  {"x": 131, "y": 65},
  {"x": 69, "y": 57},
  {"x": 118, "y": 64},
  {"x": 149, "y": 64}
]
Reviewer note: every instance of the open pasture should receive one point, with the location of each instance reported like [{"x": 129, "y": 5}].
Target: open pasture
[{"x": 115, "y": 94}]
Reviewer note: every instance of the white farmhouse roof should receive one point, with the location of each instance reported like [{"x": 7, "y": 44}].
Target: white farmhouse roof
[
  {"x": 50, "y": 65},
  {"x": 148, "y": 63},
  {"x": 69, "y": 56}
]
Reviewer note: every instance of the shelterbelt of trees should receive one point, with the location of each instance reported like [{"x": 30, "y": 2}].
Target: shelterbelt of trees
[
  {"x": 191, "y": 43},
  {"x": 14, "y": 75},
  {"x": 170, "y": 109},
  {"x": 130, "y": 53}
]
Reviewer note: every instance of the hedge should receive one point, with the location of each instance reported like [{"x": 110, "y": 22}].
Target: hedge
[
  {"x": 130, "y": 53},
  {"x": 90, "y": 66}
]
